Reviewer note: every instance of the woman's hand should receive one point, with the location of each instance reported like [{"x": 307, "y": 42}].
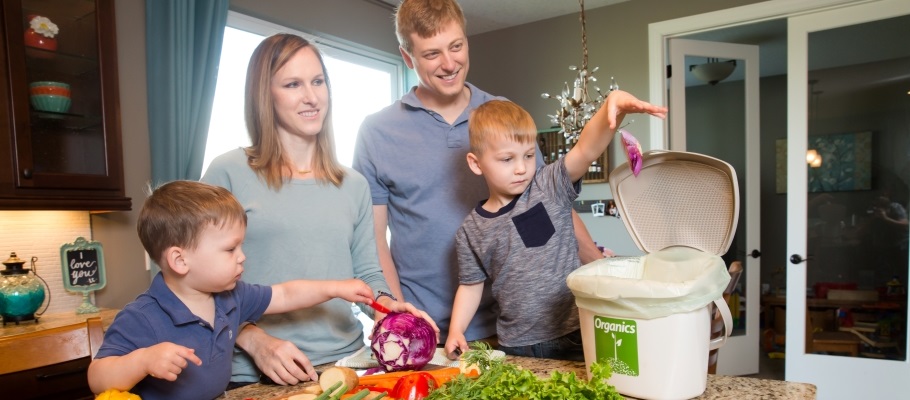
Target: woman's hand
[
  {"x": 400, "y": 306},
  {"x": 280, "y": 360}
]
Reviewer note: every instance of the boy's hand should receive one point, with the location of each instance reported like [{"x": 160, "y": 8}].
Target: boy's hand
[
  {"x": 167, "y": 360},
  {"x": 619, "y": 103},
  {"x": 354, "y": 290},
  {"x": 456, "y": 341}
]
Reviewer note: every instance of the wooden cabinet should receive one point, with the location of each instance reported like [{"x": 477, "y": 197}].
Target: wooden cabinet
[
  {"x": 64, "y": 380},
  {"x": 64, "y": 158},
  {"x": 554, "y": 145}
]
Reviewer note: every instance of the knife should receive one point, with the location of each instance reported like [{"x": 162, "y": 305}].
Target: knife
[{"x": 379, "y": 307}]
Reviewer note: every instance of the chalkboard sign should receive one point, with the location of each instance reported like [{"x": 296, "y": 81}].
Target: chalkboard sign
[{"x": 83, "y": 265}]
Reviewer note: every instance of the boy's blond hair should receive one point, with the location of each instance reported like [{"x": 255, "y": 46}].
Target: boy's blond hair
[
  {"x": 177, "y": 212},
  {"x": 425, "y": 18},
  {"x": 499, "y": 118}
]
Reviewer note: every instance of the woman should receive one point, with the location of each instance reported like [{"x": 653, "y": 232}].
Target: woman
[{"x": 309, "y": 216}]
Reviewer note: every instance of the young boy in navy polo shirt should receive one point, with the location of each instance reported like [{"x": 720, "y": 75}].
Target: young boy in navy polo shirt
[{"x": 175, "y": 341}]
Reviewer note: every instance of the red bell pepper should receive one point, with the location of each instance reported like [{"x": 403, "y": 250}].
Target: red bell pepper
[{"x": 414, "y": 386}]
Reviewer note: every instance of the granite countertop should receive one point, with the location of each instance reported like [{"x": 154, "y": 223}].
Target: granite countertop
[{"x": 719, "y": 386}]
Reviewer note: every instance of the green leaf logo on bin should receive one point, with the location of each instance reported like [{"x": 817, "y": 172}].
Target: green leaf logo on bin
[{"x": 616, "y": 340}]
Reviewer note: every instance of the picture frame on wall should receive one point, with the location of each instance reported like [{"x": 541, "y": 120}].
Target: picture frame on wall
[{"x": 835, "y": 163}]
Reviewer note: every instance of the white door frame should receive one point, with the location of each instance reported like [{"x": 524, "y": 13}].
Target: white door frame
[
  {"x": 740, "y": 353},
  {"x": 660, "y": 32},
  {"x": 835, "y": 376}
]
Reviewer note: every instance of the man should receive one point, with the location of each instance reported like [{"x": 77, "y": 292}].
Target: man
[{"x": 413, "y": 155}]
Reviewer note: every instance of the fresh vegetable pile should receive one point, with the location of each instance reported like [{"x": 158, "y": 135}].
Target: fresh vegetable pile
[
  {"x": 402, "y": 341},
  {"x": 501, "y": 381},
  {"x": 481, "y": 376}
]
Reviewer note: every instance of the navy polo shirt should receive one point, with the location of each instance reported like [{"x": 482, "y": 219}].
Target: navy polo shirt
[{"x": 158, "y": 316}]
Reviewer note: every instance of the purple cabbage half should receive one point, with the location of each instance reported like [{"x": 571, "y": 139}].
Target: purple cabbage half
[
  {"x": 633, "y": 151},
  {"x": 402, "y": 341}
]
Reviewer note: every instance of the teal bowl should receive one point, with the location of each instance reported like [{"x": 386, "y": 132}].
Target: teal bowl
[
  {"x": 50, "y": 102},
  {"x": 49, "y": 83}
]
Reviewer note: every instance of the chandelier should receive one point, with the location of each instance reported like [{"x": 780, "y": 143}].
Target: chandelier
[{"x": 576, "y": 104}]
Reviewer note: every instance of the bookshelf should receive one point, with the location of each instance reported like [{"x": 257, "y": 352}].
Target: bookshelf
[{"x": 553, "y": 145}]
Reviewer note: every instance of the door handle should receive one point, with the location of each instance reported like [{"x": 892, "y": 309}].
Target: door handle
[
  {"x": 796, "y": 259},
  {"x": 755, "y": 253}
]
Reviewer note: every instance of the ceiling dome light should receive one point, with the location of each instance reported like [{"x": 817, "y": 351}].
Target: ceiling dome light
[{"x": 713, "y": 71}]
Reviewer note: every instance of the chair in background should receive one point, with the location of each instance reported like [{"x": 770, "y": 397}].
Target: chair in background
[
  {"x": 717, "y": 323},
  {"x": 50, "y": 363}
]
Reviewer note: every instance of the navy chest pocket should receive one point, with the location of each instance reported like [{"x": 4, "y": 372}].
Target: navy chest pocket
[{"x": 534, "y": 226}]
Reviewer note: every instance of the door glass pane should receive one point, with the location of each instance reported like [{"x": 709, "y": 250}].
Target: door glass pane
[
  {"x": 716, "y": 126},
  {"x": 66, "y": 115},
  {"x": 858, "y": 167}
]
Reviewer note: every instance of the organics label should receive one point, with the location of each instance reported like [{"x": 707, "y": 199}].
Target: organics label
[{"x": 616, "y": 341}]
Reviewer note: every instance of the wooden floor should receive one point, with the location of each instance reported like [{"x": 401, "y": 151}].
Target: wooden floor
[{"x": 769, "y": 368}]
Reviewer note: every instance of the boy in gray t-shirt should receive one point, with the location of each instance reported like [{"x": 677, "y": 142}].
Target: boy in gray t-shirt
[{"x": 521, "y": 238}]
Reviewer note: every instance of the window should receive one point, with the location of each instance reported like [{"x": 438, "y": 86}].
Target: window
[{"x": 363, "y": 82}]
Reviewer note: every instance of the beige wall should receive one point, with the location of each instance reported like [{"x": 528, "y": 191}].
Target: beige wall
[{"x": 124, "y": 256}]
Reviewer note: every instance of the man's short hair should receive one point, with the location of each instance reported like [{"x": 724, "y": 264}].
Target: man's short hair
[{"x": 425, "y": 18}]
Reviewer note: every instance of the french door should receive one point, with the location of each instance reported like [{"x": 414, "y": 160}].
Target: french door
[
  {"x": 720, "y": 119},
  {"x": 847, "y": 174}
]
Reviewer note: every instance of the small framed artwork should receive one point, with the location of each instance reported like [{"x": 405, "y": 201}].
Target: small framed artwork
[
  {"x": 835, "y": 163},
  {"x": 611, "y": 209},
  {"x": 82, "y": 264}
]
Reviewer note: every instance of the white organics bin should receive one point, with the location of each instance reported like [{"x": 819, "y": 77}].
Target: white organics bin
[
  {"x": 654, "y": 328},
  {"x": 648, "y": 317}
]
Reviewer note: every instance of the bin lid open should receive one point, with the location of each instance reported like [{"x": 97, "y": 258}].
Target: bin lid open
[{"x": 678, "y": 199}]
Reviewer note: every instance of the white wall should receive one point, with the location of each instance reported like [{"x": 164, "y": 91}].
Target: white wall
[{"x": 40, "y": 234}]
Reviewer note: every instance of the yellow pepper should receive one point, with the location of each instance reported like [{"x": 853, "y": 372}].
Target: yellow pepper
[{"x": 114, "y": 394}]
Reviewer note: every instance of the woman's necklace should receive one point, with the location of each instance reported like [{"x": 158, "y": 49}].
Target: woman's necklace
[{"x": 304, "y": 171}]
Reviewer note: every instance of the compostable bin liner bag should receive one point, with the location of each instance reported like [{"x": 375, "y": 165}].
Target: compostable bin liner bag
[{"x": 670, "y": 281}]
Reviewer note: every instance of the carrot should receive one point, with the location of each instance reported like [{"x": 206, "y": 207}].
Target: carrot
[{"x": 388, "y": 379}]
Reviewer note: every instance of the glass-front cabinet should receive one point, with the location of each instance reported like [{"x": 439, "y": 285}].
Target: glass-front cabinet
[{"x": 61, "y": 124}]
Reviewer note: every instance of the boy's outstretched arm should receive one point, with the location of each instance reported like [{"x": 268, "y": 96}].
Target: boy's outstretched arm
[
  {"x": 162, "y": 361},
  {"x": 297, "y": 294},
  {"x": 467, "y": 299},
  {"x": 599, "y": 131}
]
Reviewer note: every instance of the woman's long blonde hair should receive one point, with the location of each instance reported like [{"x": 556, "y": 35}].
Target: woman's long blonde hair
[{"x": 266, "y": 156}]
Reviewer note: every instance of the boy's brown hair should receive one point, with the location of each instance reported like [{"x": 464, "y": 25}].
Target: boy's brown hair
[
  {"x": 500, "y": 118},
  {"x": 425, "y": 18},
  {"x": 177, "y": 212}
]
